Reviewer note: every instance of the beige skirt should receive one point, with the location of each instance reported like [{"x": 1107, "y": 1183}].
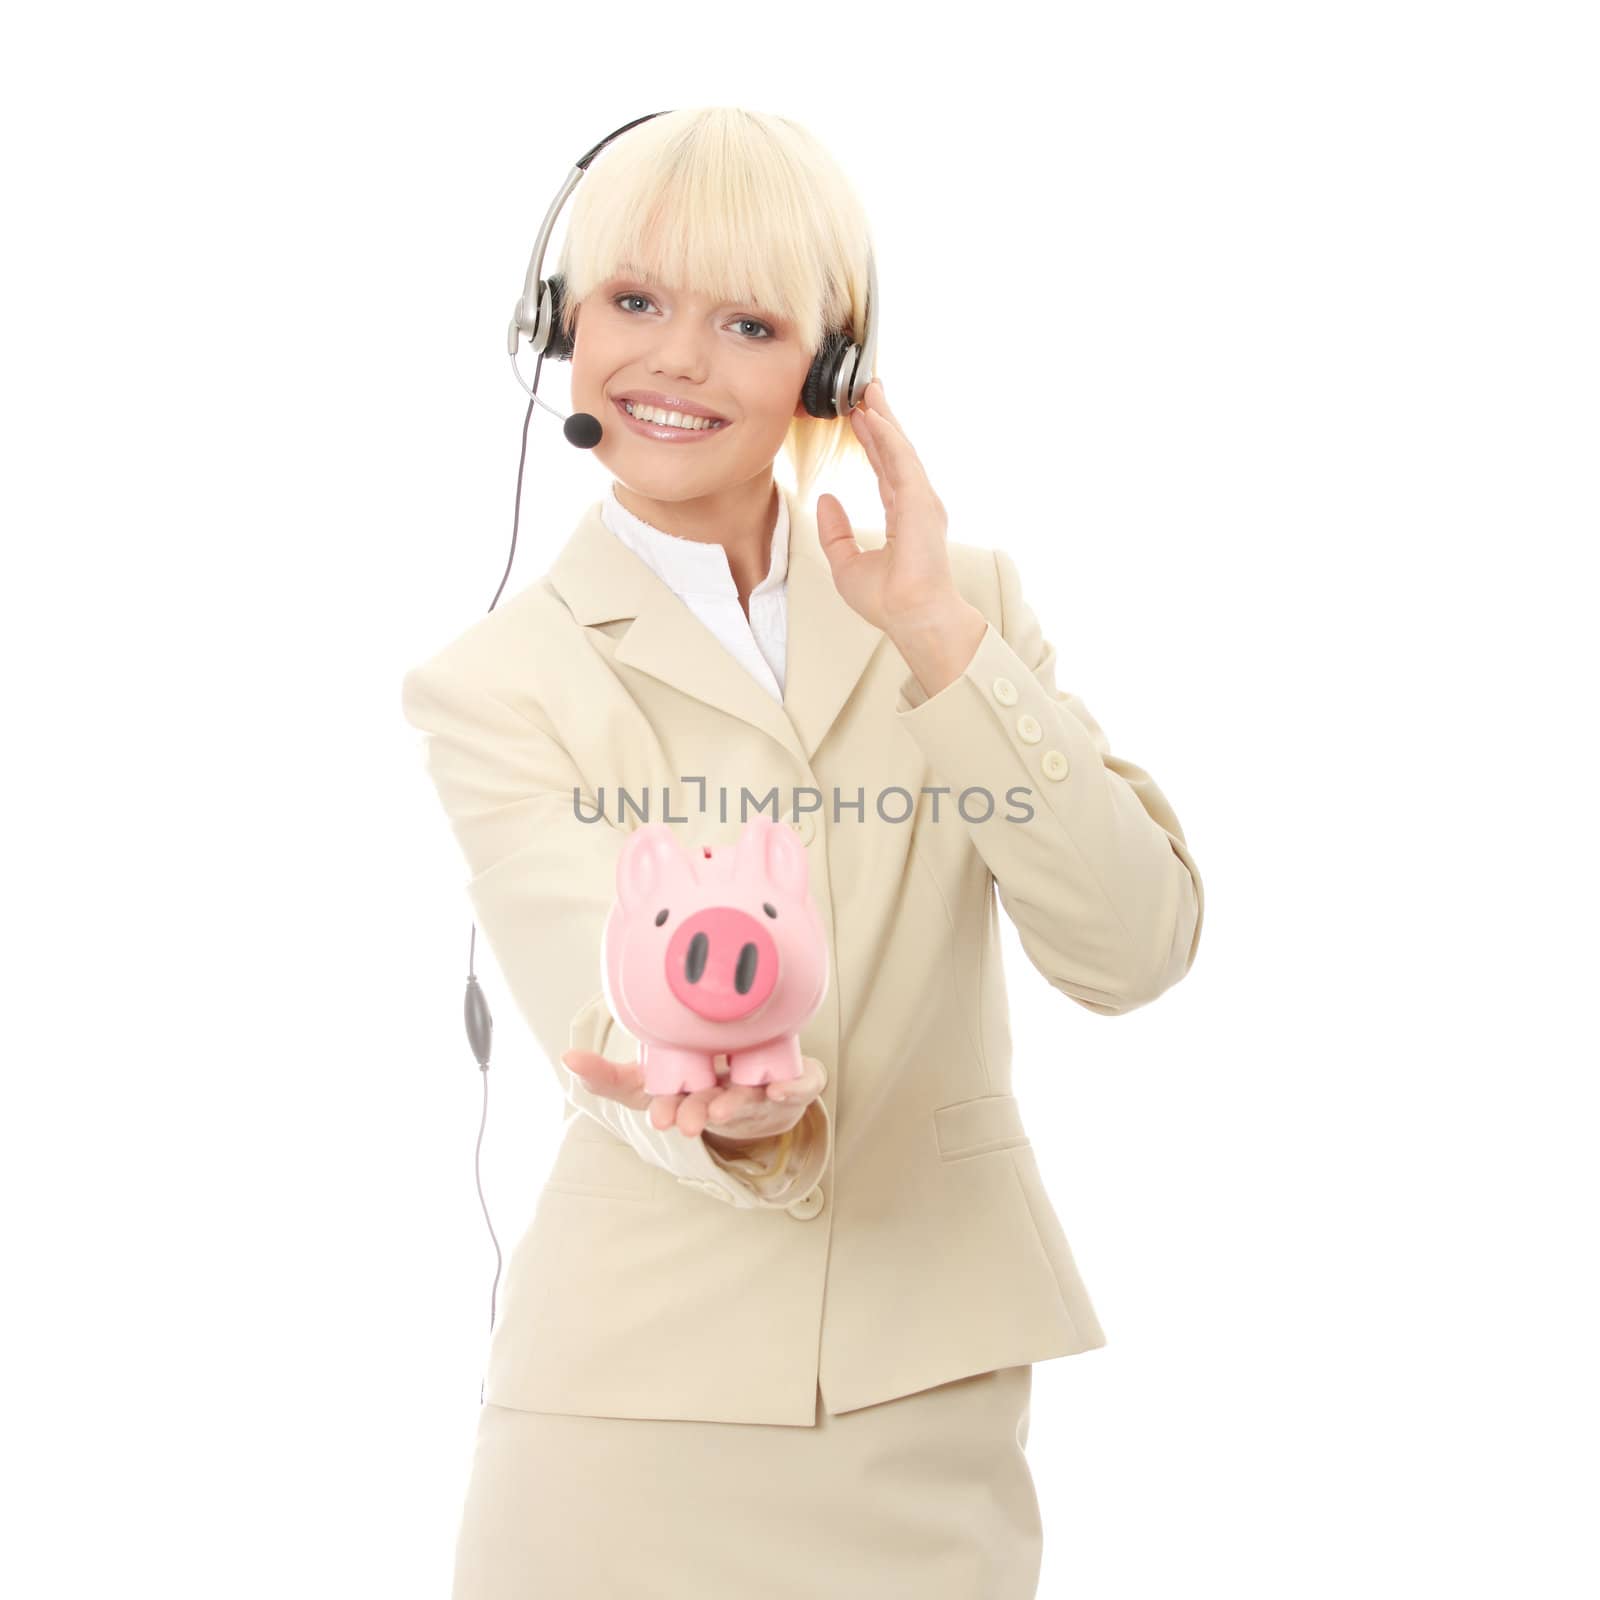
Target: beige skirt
[{"x": 928, "y": 1497}]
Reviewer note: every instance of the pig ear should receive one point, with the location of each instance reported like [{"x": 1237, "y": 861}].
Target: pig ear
[
  {"x": 784, "y": 857},
  {"x": 647, "y": 864},
  {"x": 750, "y": 853}
]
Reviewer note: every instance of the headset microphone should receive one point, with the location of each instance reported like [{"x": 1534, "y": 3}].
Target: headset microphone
[{"x": 582, "y": 428}]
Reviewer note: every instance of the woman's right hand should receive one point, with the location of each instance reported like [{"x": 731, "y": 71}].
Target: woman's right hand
[{"x": 735, "y": 1111}]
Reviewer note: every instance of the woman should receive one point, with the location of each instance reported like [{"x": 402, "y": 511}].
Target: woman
[{"x": 779, "y": 1336}]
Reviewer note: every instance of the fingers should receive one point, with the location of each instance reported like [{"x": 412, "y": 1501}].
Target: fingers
[
  {"x": 835, "y": 535},
  {"x": 875, "y": 397},
  {"x": 893, "y": 459},
  {"x": 694, "y": 1112},
  {"x": 886, "y": 444},
  {"x": 616, "y": 1080},
  {"x": 812, "y": 1081},
  {"x": 727, "y": 1107},
  {"x": 664, "y": 1111},
  {"x": 887, "y": 422},
  {"x": 731, "y": 1100},
  {"x": 867, "y": 435}
]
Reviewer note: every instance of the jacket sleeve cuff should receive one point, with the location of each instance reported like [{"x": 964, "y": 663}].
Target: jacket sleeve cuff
[
  {"x": 777, "y": 1182},
  {"x": 745, "y": 1182},
  {"x": 995, "y": 727}
]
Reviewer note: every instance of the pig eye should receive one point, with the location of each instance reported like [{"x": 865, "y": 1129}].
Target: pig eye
[
  {"x": 769, "y": 908},
  {"x": 661, "y": 916}
]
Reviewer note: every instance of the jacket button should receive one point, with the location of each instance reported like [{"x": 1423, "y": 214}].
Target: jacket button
[
  {"x": 805, "y": 827},
  {"x": 1055, "y": 764},
  {"x": 1028, "y": 729},
  {"x": 1005, "y": 691},
  {"x": 807, "y": 1206}
]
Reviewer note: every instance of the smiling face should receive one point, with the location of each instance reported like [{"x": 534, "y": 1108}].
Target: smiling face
[{"x": 727, "y": 357}]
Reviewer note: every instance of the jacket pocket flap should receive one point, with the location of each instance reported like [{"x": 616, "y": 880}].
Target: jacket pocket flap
[{"x": 971, "y": 1127}]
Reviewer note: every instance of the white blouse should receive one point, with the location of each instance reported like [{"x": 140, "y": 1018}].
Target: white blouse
[{"x": 699, "y": 574}]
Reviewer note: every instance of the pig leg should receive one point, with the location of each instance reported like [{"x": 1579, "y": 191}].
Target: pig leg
[
  {"x": 668, "y": 1070},
  {"x": 776, "y": 1061}
]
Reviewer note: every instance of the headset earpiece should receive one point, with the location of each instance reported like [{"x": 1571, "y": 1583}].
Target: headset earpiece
[
  {"x": 819, "y": 393},
  {"x": 557, "y": 347}
]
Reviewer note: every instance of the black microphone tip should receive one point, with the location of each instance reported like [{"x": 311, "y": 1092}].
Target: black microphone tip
[{"x": 582, "y": 429}]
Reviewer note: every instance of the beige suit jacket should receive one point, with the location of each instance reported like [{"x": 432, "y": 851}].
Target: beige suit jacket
[{"x": 911, "y": 1241}]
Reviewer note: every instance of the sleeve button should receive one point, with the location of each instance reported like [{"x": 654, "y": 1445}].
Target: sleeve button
[
  {"x": 1055, "y": 764},
  {"x": 1005, "y": 691},
  {"x": 1028, "y": 729}
]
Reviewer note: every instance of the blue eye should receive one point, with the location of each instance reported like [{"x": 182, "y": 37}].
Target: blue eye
[{"x": 766, "y": 332}]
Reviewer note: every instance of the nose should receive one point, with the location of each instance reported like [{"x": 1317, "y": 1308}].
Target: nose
[{"x": 722, "y": 964}]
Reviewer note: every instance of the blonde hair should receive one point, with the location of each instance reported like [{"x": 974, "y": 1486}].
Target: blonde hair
[{"x": 735, "y": 205}]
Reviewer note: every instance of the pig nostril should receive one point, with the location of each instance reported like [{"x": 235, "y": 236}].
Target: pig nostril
[
  {"x": 745, "y": 974},
  {"x": 695, "y": 967}
]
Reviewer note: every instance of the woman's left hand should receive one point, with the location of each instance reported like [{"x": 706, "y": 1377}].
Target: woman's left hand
[{"x": 905, "y": 588}]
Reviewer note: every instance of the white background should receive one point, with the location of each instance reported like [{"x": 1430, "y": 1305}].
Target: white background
[{"x": 1263, "y": 336}]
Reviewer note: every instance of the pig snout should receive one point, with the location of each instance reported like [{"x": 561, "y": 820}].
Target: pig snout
[{"x": 722, "y": 964}]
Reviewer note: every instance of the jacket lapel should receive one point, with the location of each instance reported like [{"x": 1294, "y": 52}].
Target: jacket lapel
[{"x": 602, "y": 580}]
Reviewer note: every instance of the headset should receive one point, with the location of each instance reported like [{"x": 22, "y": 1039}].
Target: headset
[{"x": 834, "y": 385}]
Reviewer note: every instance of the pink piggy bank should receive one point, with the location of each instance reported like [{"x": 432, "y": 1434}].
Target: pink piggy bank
[{"x": 715, "y": 950}]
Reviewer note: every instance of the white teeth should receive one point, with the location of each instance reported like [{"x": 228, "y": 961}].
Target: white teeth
[{"x": 671, "y": 419}]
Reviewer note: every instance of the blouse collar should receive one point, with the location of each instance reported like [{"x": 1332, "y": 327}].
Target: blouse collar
[{"x": 693, "y": 566}]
